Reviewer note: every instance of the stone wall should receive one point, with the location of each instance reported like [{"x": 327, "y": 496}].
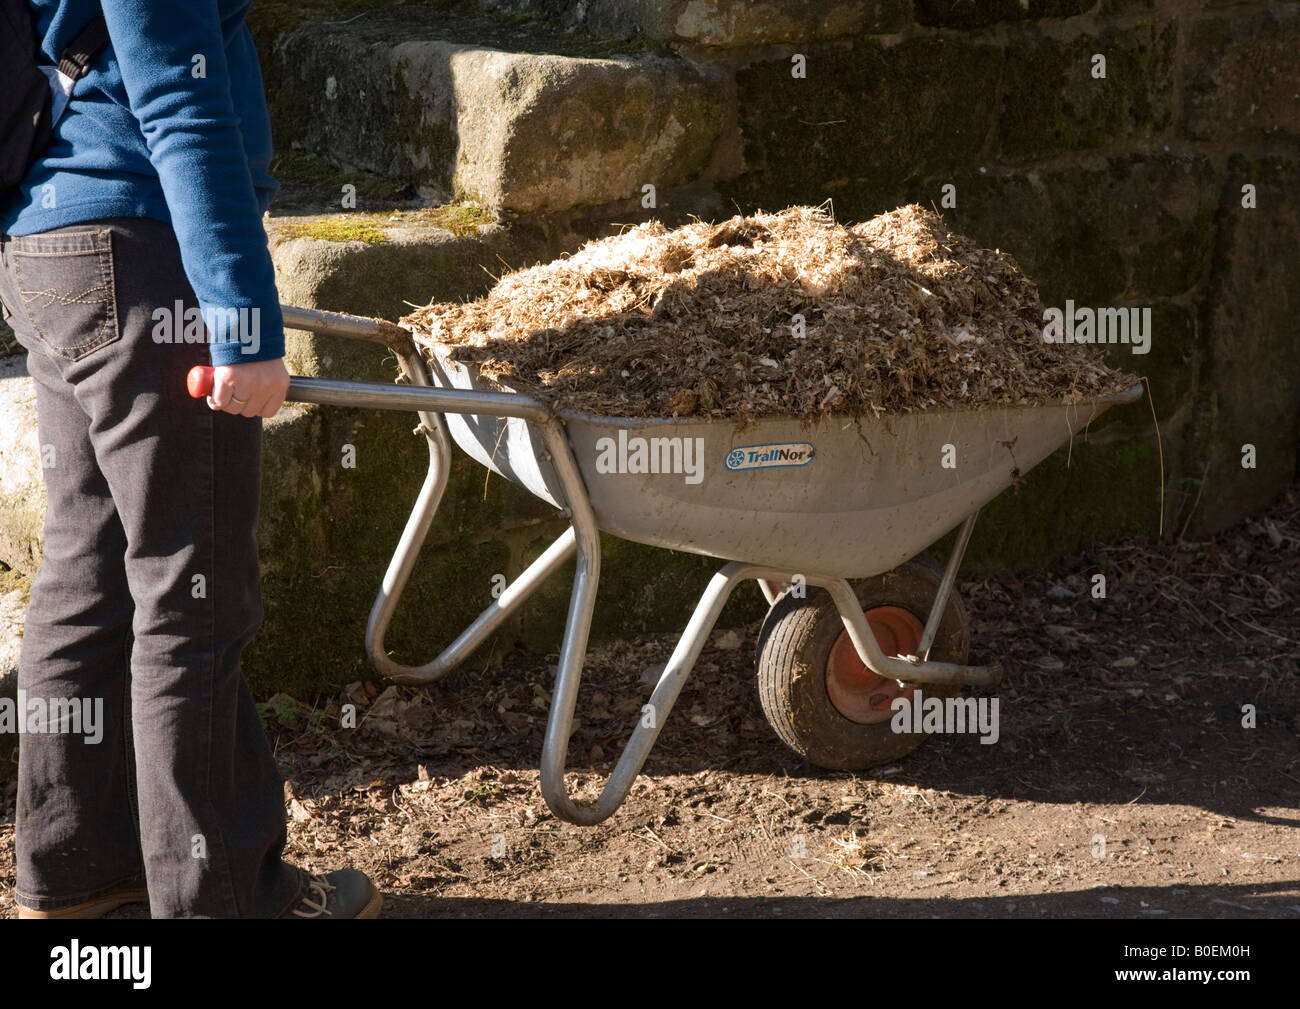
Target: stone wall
[
  {"x": 480, "y": 134},
  {"x": 1122, "y": 190},
  {"x": 1114, "y": 185}
]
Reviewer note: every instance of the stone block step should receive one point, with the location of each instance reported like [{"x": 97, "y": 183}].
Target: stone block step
[{"x": 523, "y": 119}]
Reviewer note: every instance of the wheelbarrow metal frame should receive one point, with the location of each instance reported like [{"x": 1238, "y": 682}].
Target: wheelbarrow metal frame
[{"x": 580, "y": 540}]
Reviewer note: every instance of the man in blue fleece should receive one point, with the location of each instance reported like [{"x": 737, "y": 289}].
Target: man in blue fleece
[{"x": 140, "y": 222}]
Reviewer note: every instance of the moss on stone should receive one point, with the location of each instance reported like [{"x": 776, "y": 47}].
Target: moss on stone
[
  {"x": 1241, "y": 77},
  {"x": 338, "y": 228},
  {"x": 461, "y": 219},
  {"x": 1111, "y": 8},
  {"x": 374, "y": 129}
]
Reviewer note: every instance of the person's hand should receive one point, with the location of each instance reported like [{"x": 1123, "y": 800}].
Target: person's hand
[{"x": 255, "y": 389}]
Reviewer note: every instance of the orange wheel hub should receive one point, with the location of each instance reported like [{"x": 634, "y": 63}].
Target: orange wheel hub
[{"x": 857, "y": 693}]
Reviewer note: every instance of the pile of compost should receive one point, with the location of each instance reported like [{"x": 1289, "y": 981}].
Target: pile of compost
[{"x": 776, "y": 314}]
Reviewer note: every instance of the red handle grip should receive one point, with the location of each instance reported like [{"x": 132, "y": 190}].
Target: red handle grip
[{"x": 199, "y": 381}]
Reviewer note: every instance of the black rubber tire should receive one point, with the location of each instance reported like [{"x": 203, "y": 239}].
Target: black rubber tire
[{"x": 793, "y": 646}]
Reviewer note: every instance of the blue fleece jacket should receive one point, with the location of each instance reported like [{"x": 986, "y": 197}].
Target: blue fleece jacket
[{"x": 171, "y": 124}]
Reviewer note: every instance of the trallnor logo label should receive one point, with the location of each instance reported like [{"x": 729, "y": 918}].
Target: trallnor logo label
[{"x": 773, "y": 456}]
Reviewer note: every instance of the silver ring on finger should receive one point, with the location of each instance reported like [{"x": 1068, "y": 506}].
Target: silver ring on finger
[{"x": 235, "y": 399}]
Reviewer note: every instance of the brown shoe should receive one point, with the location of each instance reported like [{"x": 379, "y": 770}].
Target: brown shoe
[
  {"x": 96, "y": 908},
  {"x": 344, "y": 893}
]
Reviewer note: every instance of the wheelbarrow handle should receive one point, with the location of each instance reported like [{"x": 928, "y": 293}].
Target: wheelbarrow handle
[
  {"x": 356, "y": 327},
  {"x": 199, "y": 381},
  {"x": 377, "y": 396}
]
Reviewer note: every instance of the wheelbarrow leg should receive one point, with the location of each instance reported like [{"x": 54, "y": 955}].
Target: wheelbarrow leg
[
  {"x": 573, "y": 652},
  {"x": 945, "y": 586},
  {"x": 408, "y": 550},
  {"x": 551, "y": 560},
  {"x": 653, "y": 715}
]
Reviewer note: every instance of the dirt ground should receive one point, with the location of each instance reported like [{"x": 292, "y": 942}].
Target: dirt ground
[{"x": 1121, "y": 719}]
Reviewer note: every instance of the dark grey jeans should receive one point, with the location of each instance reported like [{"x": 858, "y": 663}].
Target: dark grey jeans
[{"x": 148, "y": 593}]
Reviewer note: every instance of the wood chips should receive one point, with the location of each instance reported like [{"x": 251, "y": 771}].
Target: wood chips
[{"x": 898, "y": 315}]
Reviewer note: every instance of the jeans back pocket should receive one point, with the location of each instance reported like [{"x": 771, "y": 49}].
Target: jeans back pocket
[{"x": 64, "y": 280}]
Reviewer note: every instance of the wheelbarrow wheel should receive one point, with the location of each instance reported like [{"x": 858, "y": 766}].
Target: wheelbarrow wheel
[{"x": 818, "y": 695}]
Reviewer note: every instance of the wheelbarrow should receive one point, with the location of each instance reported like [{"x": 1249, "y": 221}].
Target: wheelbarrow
[{"x": 831, "y": 520}]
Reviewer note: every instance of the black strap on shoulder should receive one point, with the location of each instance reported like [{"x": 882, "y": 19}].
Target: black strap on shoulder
[{"x": 81, "y": 51}]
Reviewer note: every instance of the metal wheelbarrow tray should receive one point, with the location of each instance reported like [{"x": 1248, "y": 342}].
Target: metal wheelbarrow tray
[{"x": 790, "y": 505}]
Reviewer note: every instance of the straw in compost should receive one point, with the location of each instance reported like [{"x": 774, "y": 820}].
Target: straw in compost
[{"x": 775, "y": 314}]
